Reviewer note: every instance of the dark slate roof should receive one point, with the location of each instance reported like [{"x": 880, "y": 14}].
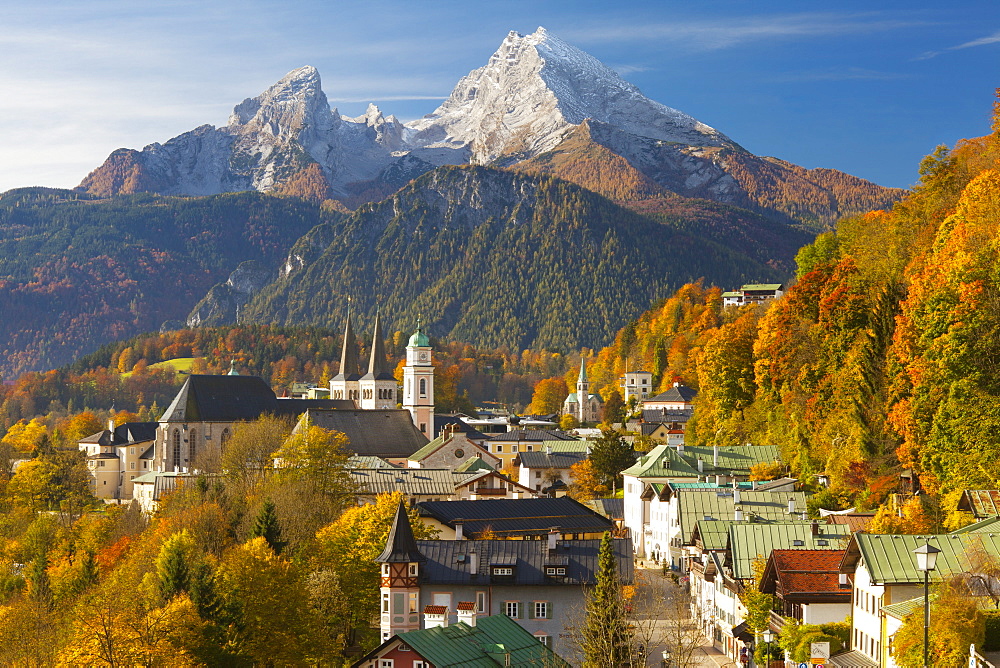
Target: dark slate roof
[
  {"x": 611, "y": 508},
  {"x": 442, "y": 421},
  {"x": 676, "y": 393},
  {"x": 448, "y": 561},
  {"x": 518, "y": 517},
  {"x": 555, "y": 460},
  {"x": 400, "y": 547},
  {"x": 533, "y": 435},
  {"x": 660, "y": 415},
  {"x": 205, "y": 398},
  {"x": 124, "y": 434},
  {"x": 383, "y": 433}
]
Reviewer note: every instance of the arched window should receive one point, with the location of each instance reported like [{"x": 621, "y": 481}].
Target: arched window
[
  {"x": 423, "y": 387},
  {"x": 192, "y": 446},
  {"x": 177, "y": 450},
  {"x": 225, "y": 437}
]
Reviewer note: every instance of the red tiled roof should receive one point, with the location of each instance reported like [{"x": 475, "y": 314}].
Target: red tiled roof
[
  {"x": 466, "y": 605},
  {"x": 809, "y": 572},
  {"x": 435, "y": 609}
]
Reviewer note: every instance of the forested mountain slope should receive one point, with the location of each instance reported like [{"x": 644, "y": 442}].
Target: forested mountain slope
[
  {"x": 77, "y": 271},
  {"x": 495, "y": 259}
]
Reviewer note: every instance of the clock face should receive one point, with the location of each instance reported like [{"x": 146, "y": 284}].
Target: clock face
[{"x": 423, "y": 356}]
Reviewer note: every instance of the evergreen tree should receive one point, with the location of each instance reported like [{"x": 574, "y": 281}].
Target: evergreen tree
[
  {"x": 611, "y": 455},
  {"x": 607, "y": 638},
  {"x": 38, "y": 580},
  {"x": 173, "y": 565},
  {"x": 614, "y": 408},
  {"x": 267, "y": 527}
]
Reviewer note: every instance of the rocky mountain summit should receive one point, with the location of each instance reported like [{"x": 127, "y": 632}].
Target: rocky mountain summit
[{"x": 538, "y": 105}]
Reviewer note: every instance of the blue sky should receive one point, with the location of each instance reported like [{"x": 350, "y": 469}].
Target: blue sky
[{"x": 865, "y": 87}]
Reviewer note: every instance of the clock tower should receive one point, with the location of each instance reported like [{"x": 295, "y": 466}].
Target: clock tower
[{"x": 418, "y": 382}]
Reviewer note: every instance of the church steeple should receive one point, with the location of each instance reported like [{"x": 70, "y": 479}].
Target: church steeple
[
  {"x": 349, "y": 367},
  {"x": 400, "y": 570},
  {"x": 378, "y": 386}
]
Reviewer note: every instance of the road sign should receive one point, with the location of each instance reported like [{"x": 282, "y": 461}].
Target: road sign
[
  {"x": 819, "y": 652},
  {"x": 803, "y": 665}
]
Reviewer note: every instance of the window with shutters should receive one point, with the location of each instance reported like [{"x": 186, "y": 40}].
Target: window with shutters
[
  {"x": 512, "y": 609},
  {"x": 541, "y": 609}
]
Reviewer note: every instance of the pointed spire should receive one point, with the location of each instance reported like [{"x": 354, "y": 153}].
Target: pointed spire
[
  {"x": 349, "y": 367},
  {"x": 583, "y": 371},
  {"x": 232, "y": 368},
  {"x": 401, "y": 546},
  {"x": 377, "y": 365}
]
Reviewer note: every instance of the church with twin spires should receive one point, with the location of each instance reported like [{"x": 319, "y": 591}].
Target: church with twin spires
[{"x": 378, "y": 389}]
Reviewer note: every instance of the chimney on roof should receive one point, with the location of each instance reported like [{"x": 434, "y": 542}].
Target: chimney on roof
[
  {"x": 553, "y": 537},
  {"x": 791, "y": 505},
  {"x": 435, "y": 616},
  {"x": 715, "y": 456},
  {"x": 738, "y": 514},
  {"x": 467, "y": 612},
  {"x": 460, "y": 529},
  {"x": 548, "y": 449},
  {"x": 815, "y": 528},
  {"x": 676, "y": 384},
  {"x": 843, "y": 580},
  {"x": 111, "y": 423},
  {"x": 473, "y": 563},
  {"x": 736, "y": 494},
  {"x": 753, "y": 484},
  {"x": 701, "y": 465}
]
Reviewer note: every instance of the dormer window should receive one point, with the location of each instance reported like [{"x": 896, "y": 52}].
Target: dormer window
[
  {"x": 503, "y": 570},
  {"x": 555, "y": 571},
  {"x": 413, "y": 569}
]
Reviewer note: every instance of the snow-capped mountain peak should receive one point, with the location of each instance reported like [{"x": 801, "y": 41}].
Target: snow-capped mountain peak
[{"x": 534, "y": 90}]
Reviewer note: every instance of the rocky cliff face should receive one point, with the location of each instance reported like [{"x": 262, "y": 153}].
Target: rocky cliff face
[{"x": 537, "y": 96}]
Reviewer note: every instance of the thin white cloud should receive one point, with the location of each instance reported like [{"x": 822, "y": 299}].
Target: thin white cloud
[
  {"x": 982, "y": 41},
  {"x": 726, "y": 33},
  {"x": 386, "y": 98}
]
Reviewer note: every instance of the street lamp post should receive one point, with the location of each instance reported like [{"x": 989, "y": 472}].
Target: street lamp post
[
  {"x": 666, "y": 659},
  {"x": 926, "y": 558},
  {"x": 768, "y": 639}
]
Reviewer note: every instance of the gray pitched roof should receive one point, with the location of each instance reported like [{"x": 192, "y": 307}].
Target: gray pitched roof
[
  {"x": 661, "y": 415},
  {"x": 400, "y": 547},
  {"x": 383, "y": 433},
  {"x": 449, "y": 562},
  {"x": 676, "y": 393},
  {"x": 518, "y": 517},
  {"x": 412, "y": 482},
  {"x": 206, "y": 398},
  {"x": 554, "y": 460}
]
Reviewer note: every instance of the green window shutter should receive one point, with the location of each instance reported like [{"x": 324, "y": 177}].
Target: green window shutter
[
  {"x": 531, "y": 610},
  {"x": 520, "y": 611},
  {"x": 548, "y": 610}
]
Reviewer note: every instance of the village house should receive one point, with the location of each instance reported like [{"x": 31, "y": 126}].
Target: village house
[
  {"x": 116, "y": 456},
  {"x": 636, "y": 385},
  {"x": 506, "y": 446},
  {"x": 677, "y": 398},
  {"x": 454, "y": 445},
  {"x": 547, "y": 470},
  {"x": 752, "y": 293},
  {"x": 808, "y": 586},
  {"x": 537, "y": 583}
]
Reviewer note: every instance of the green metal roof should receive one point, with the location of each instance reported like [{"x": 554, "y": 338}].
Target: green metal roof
[
  {"x": 989, "y": 525},
  {"x": 485, "y": 645},
  {"x": 761, "y": 286},
  {"x": 889, "y": 558},
  {"x": 566, "y": 446},
  {"x": 428, "y": 449},
  {"x": 732, "y": 458},
  {"x": 696, "y": 505},
  {"x": 748, "y": 542},
  {"x": 903, "y": 608},
  {"x": 663, "y": 461},
  {"x": 473, "y": 464},
  {"x": 714, "y": 534}
]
